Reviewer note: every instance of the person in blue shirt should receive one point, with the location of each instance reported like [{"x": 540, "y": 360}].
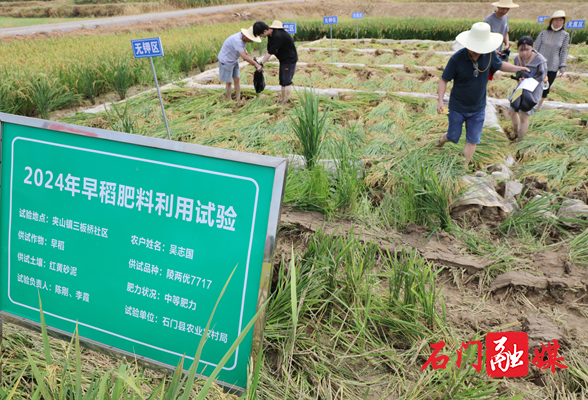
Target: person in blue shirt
[{"x": 469, "y": 69}]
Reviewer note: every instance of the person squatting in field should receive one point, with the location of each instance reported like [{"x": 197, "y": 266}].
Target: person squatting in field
[
  {"x": 228, "y": 59},
  {"x": 498, "y": 22},
  {"x": 281, "y": 45},
  {"x": 469, "y": 69},
  {"x": 552, "y": 44},
  {"x": 530, "y": 58}
]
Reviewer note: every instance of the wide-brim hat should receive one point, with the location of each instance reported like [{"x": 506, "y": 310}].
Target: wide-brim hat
[
  {"x": 505, "y": 4},
  {"x": 249, "y": 34},
  {"x": 480, "y": 39},
  {"x": 557, "y": 14},
  {"x": 277, "y": 25}
]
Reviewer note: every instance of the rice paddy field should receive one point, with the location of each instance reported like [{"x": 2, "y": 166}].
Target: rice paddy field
[{"x": 379, "y": 252}]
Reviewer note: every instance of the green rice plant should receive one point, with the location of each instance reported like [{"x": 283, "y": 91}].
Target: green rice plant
[
  {"x": 428, "y": 190},
  {"x": 578, "y": 249},
  {"x": 536, "y": 217},
  {"x": 453, "y": 382},
  {"x": 554, "y": 169},
  {"x": 166, "y": 68},
  {"x": 61, "y": 382},
  {"x": 11, "y": 96},
  {"x": 9, "y": 392},
  {"x": 309, "y": 190},
  {"x": 348, "y": 183},
  {"x": 412, "y": 293},
  {"x": 120, "y": 76},
  {"x": 185, "y": 57},
  {"x": 122, "y": 120},
  {"x": 309, "y": 125},
  {"x": 204, "y": 53},
  {"x": 47, "y": 94},
  {"x": 89, "y": 82}
]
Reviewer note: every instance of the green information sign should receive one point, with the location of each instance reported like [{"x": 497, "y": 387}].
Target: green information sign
[{"x": 134, "y": 238}]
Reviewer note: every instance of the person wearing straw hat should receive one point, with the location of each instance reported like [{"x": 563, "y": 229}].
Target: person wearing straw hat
[
  {"x": 552, "y": 43},
  {"x": 281, "y": 45},
  {"x": 469, "y": 69},
  {"x": 498, "y": 22},
  {"x": 228, "y": 59}
]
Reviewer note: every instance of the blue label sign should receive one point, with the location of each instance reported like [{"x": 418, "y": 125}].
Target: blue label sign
[
  {"x": 330, "y": 20},
  {"x": 147, "y": 47},
  {"x": 290, "y": 27},
  {"x": 576, "y": 24},
  {"x": 542, "y": 18},
  {"x": 357, "y": 15}
]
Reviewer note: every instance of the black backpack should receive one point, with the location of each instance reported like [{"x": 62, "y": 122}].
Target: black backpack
[{"x": 522, "y": 100}]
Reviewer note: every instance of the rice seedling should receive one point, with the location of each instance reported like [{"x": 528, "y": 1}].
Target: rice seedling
[
  {"x": 47, "y": 94},
  {"x": 309, "y": 126},
  {"x": 120, "y": 76}
]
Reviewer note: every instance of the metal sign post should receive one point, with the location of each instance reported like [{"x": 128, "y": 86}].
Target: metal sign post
[
  {"x": 132, "y": 239},
  {"x": 357, "y": 16},
  {"x": 575, "y": 24},
  {"x": 143, "y": 48},
  {"x": 290, "y": 27},
  {"x": 330, "y": 21}
]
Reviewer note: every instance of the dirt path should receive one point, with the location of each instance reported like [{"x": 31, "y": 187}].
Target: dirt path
[{"x": 129, "y": 19}]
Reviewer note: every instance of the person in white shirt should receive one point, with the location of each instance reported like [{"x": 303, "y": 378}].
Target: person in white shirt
[{"x": 228, "y": 59}]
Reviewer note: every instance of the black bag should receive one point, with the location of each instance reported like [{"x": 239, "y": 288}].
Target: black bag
[
  {"x": 258, "y": 81},
  {"x": 522, "y": 99}
]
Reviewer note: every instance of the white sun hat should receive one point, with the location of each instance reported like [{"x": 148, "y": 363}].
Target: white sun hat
[
  {"x": 557, "y": 14},
  {"x": 505, "y": 4},
  {"x": 277, "y": 25},
  {"x": 249, "y": 34},
  {"x": 479, "y": 39}
]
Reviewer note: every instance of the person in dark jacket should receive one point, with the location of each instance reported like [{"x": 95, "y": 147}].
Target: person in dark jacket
[{"x": 281, "y": 45}]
